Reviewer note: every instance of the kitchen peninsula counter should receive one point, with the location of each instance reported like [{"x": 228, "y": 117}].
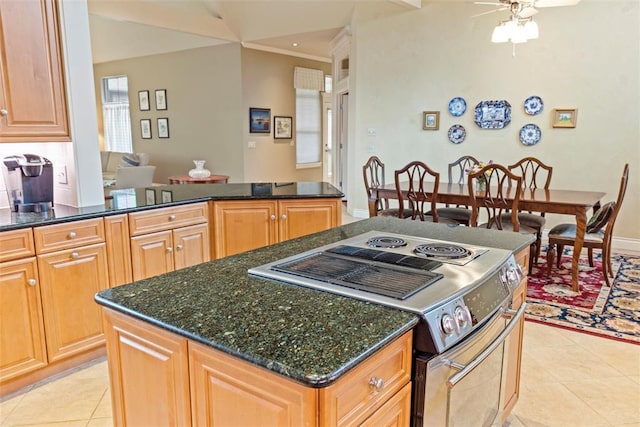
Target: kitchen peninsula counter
[{"x": 139, "y": 199}]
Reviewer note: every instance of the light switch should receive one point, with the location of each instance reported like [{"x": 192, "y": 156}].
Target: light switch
[{"x": 252, "y": 144}]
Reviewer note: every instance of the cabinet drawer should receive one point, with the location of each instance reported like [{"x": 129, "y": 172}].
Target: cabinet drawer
[
  {"x": 69, "y": 235},
  {"x": 16, "y": 244},
  {"x": 365, "y": 389},
  {"x": 167, "y": 218}
]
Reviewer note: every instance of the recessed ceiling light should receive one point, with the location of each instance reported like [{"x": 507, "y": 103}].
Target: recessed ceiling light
[{"x": 294, "y": 44}]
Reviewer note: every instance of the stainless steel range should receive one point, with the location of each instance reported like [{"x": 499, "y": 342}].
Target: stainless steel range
[{"x": 462, "y": 294}]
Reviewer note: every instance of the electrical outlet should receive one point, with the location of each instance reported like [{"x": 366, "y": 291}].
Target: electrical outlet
[
  {"x": 62, "y": 175},
  {"x": 252, "y": 144},
  {"x": 372, "y": 132}
]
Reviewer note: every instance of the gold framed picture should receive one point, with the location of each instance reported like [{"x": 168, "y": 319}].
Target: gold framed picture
[
  {"x": 431, "y": 120},
  {"x": 565, "y": 117}
]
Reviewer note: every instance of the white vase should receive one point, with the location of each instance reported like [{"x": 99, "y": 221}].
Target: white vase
[{"x": 199, "y": 171}]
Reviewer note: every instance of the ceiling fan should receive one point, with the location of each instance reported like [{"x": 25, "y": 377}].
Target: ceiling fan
[{"x": 521, "y": 26}]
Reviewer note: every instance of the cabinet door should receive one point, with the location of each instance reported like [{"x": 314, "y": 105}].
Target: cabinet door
[
  {"x": 69, "y": 281},
  {"x": 151, "y": 254},
  {"x": 226, "y": 391},
  {"x": 299, "y": 217},
  {"x": 21, "y": 326},
  {"x": 32, "y": 94},
  {"x": 118, "y": 249},
  {"x": 396, "y": 412},
  {"x": 191, "y": 245},
  {"x": 244, "y": 225},
  {"x": 148, "y": 372}
]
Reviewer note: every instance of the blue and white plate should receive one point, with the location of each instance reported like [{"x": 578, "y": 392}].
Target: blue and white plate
[
  {"x": 530, "y": 134},
  {"x": 457, "y": 106},
  {"x": 493, "y": 114},
  {"x": 533, "y": 105},
  {"x": 457, "y": 133}
]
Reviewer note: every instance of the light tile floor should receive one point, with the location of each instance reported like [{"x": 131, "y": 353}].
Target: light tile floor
[{"x": 569, "y": 379}]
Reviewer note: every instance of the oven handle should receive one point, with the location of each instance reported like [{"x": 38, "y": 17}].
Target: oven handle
[{"x": 465, "y": 369}]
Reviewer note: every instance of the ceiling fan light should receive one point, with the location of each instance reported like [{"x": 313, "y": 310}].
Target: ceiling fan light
[
  {"x": 531, "y": 30},
  {"x": 518, "y": 35},
  {"x": 500, "y": 34}
]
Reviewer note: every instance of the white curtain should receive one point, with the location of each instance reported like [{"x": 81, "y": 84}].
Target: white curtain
[
  {"x": 117, "y": 127},
  {"x": 308, "y": 84}
]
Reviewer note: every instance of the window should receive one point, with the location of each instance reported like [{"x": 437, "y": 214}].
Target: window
[
  {"x": 115, "y": 114},
  {"x": 308, "y": 84}
]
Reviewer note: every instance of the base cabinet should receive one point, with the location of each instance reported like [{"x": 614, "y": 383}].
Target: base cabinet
[{"x": 153, "y": 370}]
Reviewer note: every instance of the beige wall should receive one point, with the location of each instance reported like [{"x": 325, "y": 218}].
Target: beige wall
[
  {"x": 204, "y": 108},
  {"x": 587, "y": 57}
]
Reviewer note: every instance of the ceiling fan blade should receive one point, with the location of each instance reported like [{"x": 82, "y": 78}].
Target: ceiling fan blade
[
  {"x": 489, "y": 12},
  {"x": 490, "y": 3},
  {"x": 528, "y": 12},
  {"x": 555, "y": 3}
]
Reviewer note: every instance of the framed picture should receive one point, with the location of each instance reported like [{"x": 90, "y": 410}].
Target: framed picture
[
  {"x": 431, "y": 120},
  {"x": 167, "y": 196},
  {"x": 259, "y": 120},
  {"x": 565, "y": 117},
  {"x": 163, "y": 127},
  {"x": 161, "y": 99},
  {"x": 145, "y": 128},
  {"x": 150, "y": 196},
  {"x": 282, "y": 127},
  {"x": 143, "y": 99}
]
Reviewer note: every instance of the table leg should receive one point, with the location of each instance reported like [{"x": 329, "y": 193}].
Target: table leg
[{"x": 581, "y": 226}]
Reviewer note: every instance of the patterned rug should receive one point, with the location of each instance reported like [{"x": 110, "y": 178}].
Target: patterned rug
[{"x": 608, "y": 312}]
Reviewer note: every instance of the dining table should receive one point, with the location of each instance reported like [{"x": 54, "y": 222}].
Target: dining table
[{"x": 567, "y": 202}]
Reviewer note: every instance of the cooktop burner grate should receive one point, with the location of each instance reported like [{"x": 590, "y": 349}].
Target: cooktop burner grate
[
  {"x": 387, "y": 280},
  {"x": 441, "y": 250},
  {"x": 386, "y": 242}
]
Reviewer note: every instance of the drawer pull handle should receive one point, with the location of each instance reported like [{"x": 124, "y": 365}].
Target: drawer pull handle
[
  {"x": 31, "y": 282},
  {"x": 179, "y": 247},
  {"x": 4, "y": 112},
  {"x": 284, "y": 216},
  {"x": 169, "y": 249},
  {"x": 376, "y": 384},
  {"x": 273, "y": 217},
  {"x": 172, "y": 217},
  {"x": 75, "y": 255},
  {"x": 72, "y": 234}
]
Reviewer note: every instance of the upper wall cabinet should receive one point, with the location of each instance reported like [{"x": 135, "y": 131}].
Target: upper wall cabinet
[{"x": 32, "y": 93}]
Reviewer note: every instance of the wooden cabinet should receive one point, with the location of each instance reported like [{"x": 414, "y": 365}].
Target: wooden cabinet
[
  {"x": 32, "y": 92},
  {"x": 72, "y": 264},
  {"x": 244, "y": 225},
  {"x": 513, "y": 349},
  {"x": 116, "y": 229},
  {"x": 155, "y": 374},
  {"x": 166, "y": 239}
]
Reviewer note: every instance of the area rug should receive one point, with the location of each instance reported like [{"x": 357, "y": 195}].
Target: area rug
[{"x": 596, "y": 309}]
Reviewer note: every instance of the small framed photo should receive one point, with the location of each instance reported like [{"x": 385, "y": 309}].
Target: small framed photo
[
  {"x": 259, "y": 120},
  {"x": 143, "y": 99},
  {"x": 282, "y": 127},
  {"x": 161, "y": 99},
  {"x": 431, "y": 120},
  {"x": 167, "y": 196},
  {"x": 150, "y": 196},
  {"x": 163, "y": 127},
  {"x": 565, "y": 117},
  {"x": 145, "y": 128}
]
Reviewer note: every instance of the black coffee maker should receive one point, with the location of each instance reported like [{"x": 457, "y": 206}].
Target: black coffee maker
[{"x": 29, "y": 181}]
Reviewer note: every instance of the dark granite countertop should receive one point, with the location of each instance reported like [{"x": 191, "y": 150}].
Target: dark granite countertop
[
  {"x": 136, "y": 199},
  {"x": 310, "y": 336}
]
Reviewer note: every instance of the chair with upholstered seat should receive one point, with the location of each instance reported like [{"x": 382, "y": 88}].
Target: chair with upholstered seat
[
  {"x": 499, "y": 197},
  {"x": 373, "y": 175},
  {"x": 421, "y": 204},
  {"x": 134, "y": 176},
  {"x": 534, "y": 174},
  {"x": 595, "y": 238},
  {"x": 457, "y": 173}
]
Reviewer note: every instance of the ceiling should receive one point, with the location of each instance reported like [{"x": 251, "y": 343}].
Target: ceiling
[{"x": 123, "y": 29}]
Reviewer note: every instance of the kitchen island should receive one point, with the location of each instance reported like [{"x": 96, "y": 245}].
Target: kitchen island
[{"x": 169, "y": 336}]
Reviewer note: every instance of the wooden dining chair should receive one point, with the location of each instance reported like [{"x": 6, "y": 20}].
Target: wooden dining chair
[
  {"x": 373, "y": 175},
  {"x": 535, "y": 174},
  {"x": 410, "y": 188},
  {"x": 599, "y": 233},
  {"x": 457, "y": 174},
  {"x": 500, "y": 197}
]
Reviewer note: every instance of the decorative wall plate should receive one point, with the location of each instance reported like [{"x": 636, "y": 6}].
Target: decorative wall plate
[
  {"x": 457, "y": 133},
  {"x": 493, "y": 114},
  {"x": 533, "y": 105},
  {"x": 530, "y": 134},
  {"x": 457, "y": 106}
]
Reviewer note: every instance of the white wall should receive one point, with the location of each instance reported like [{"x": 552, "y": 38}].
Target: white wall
[{"x": 587, "y": 57}]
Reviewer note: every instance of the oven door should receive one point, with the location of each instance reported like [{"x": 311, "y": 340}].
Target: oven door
[{"x": 461, "y": 387}]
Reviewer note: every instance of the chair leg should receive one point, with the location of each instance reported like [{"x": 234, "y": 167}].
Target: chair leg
[
  {"x": 605, "y": 270},
  {"x": 533, "y": 249},
  {"x": 590, "y": 252},
  {"x": 560, "y": 252},
  {"x": 551, "y": 253},
  {"x": 538, "y": 246}
]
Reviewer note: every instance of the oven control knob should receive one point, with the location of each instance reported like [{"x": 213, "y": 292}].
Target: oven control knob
[
  {"x": 448, "y": 324},
  {"x": 462, "y": 316}
]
